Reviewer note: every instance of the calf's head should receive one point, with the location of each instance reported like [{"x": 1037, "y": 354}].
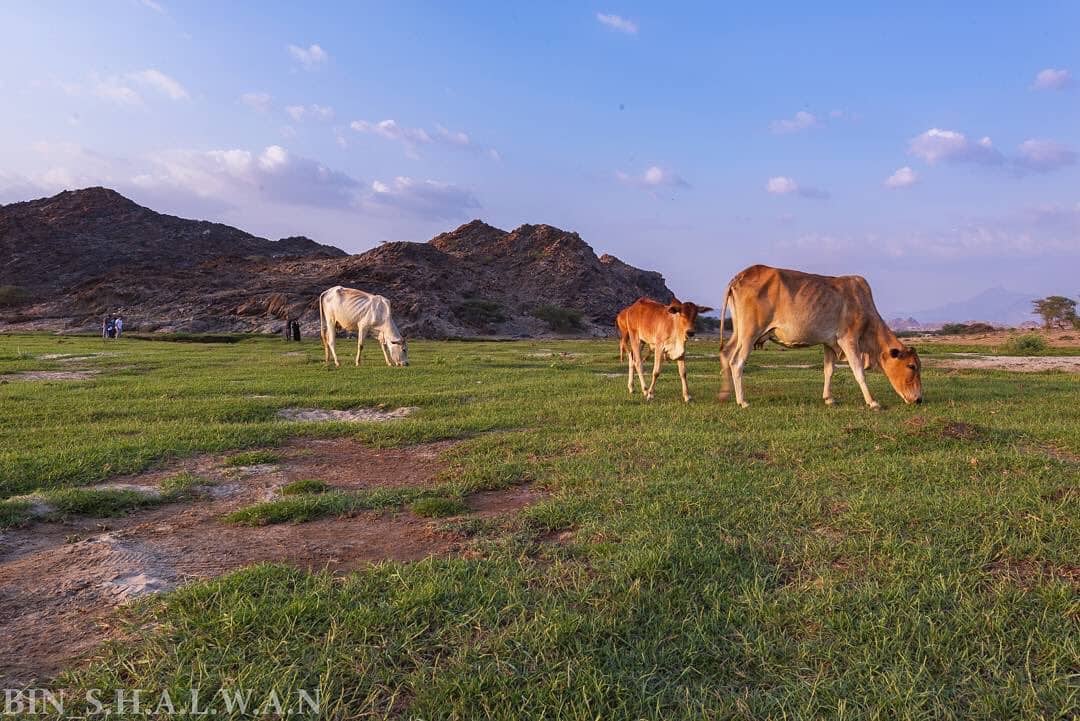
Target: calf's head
[
  {"x": 902, "y": 367},
  {"x": 683, "y": 317}
]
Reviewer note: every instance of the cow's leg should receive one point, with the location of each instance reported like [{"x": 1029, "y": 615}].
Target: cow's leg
[
  {"x": 331, "y": 337},
  {"x": 658, "y": 358},
  {"x": 360, "y": 333},
  {"x": 854, "y": 362},
  {"x": 635, "y": 347},
  {"x": 738, "y": 360},
  {"x": 385, "y": 355},
  {"x": 682, "y": 377},
  {"x": 631, "y": 344},
  {"x": 725, "y": 375},
  {"x": 830, "y": 364}
]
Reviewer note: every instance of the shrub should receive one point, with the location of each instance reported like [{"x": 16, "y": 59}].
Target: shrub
[
  {"x": 479, "y": 312},
  {"x": 11, "y": 295},
  {"x": 966, "y": 328},
  {"x": 1027, "y": 344},
  {"x": 560, "y": 320}
]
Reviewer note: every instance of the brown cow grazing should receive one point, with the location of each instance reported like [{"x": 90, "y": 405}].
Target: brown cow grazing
[
  {"x": 665, "y": 329},
  {"x": 799, "y": 309}
]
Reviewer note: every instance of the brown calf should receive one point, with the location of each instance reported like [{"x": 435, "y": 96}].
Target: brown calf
[{"x": 665, "y": 329}]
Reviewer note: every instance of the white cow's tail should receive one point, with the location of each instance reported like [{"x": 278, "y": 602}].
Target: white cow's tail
[{"x": 322, "y": 320}]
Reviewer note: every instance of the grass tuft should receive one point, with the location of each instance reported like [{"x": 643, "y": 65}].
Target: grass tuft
[
  {"x": 437, "y": 507},
  {"x": 304, "y": 486},
  {"x": 99, "y": 502},
  {"x": 14, "y": 512}
]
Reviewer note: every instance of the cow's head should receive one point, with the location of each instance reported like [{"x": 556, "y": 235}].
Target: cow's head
[
  {"x": 397, "y": 348},
  {"x": 683, "y": 316},
  {"x": 902, "y": 367}
]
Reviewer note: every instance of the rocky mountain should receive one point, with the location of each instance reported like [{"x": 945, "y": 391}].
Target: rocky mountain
[{"x": 81, "y": 254}]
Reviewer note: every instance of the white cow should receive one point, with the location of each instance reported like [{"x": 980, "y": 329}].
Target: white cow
[{"x": 363, "y": 312}]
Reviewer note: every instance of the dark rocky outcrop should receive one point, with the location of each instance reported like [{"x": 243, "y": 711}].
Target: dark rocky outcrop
[{"x": 81, "y": 254}]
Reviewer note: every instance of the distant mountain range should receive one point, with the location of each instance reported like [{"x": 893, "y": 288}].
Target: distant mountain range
[
  {"x": 997, "y": 306},
  {"x": 81, "y": 254}
]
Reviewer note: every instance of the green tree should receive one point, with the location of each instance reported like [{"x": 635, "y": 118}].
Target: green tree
[{"x": 1057, "y": 311}]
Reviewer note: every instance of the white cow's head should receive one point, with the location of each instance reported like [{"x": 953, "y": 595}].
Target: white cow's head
[{"x": 397, "y": 348}]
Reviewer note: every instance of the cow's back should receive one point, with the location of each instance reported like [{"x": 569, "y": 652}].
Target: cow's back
[
  {"x": 348, "y": 307},
  {"x": 802, "y": 307}
]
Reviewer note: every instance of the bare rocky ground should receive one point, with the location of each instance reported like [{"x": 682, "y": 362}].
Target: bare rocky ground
[
  {"x": 61, "y": 582},
  {"x": 1021, "y": 364}
]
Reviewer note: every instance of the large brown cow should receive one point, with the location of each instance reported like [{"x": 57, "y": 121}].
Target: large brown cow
[
  {"x": 665, "y": 329},
  {"x": 797, "y": 310}
]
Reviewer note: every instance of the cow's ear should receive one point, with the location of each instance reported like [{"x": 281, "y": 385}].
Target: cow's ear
[
  {"x": 704, "y": 309},
  {"x": 894, "y": 352}
]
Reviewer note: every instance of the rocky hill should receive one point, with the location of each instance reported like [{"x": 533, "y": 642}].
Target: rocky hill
[{"x": 81, "y": 254}]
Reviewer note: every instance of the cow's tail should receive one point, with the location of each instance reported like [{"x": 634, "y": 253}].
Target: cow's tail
[
  {"x": 723, "y": 313},
  {"x": 322, "y": 320}
]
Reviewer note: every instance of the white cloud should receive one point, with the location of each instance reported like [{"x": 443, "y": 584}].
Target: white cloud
[
  {"x": 1043, "y": 156},
  {"x": 1033, "y": 155},
  {"x": 310, "y": 57},
  {"x": 617, "y": 22},
  {"x": 238, "y": 175},
  {"x": 114, "y": 89},
  {"x": 652, "y": 178},
  {"x": 161, "y": 82},
  {"x": 1052, "y": 79},
  {"x": 118, "y": 88},
  {"x": 153, "y": 5},
  {"x": 802, "y": 120},
  {"x": 412, "y": 138},
  {"x": 783, "y": 185},
  {"x": 317, "y": 112},
  {"x": 902, "y": 178},
  {"x": 218, "y": 180},
  {"x": 937, "y": 145},
  {"x": 427, "y": 199},
  {"x": 257, "y": 101}
]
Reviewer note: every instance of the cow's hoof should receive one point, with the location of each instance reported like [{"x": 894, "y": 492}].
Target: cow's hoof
[
  {"x": 830, "y": 402},
  {"x": 875, "y": 406},
  {"x": 687, "y": 399},
  {"x": 723, "y": 396},
  {"x": 744, "y": 404}
]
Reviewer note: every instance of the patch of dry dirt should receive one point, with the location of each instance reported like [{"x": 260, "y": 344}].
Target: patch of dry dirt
[
  {"x": 1021, "y": 364},
  {"x": 61, "y": 582},
  {"x": 356, "y": 415},
  {"x": 48, "y": 376},
  {"x": 1027, "y": 573}
]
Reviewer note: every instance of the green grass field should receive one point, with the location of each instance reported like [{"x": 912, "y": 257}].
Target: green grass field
[{"x": 785, "y": 561}]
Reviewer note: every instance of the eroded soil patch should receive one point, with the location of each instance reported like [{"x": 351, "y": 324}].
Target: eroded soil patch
[
  {"x": 355, "y": 415},
  {"x": 61, "y": 582}
]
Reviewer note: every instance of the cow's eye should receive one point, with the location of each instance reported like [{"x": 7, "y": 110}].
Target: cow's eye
[{"x": 913, "y": 367}]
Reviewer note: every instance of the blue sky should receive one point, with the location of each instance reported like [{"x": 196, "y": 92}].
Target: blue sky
[{"x": 930, "y": 148}]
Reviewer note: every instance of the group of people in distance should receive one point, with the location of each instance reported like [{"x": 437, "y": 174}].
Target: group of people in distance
[{"x": 112, "y": 327}]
